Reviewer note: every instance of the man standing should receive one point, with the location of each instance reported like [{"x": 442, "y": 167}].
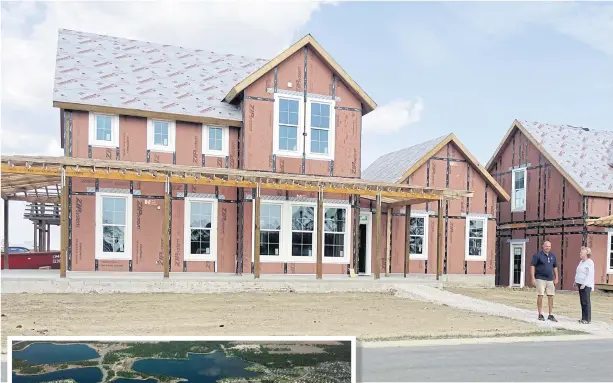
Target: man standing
[{"x": 544, "y": 271}]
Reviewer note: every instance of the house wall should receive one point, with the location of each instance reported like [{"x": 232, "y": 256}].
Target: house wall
[
  {"x": 555, "y": 212},
  {"x": 307, "y": 73},
  {"x": 448, "y": 168}
]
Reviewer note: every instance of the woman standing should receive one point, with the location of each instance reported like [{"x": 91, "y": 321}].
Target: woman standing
[{"x": 584, "y": 281}]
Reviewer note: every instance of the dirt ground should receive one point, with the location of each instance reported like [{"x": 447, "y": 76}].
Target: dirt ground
[
  {"x": 368, "y": 316},
  {"x": 564, "y": 303}
]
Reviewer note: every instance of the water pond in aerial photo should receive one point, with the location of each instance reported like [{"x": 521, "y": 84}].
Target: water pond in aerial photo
[{"x": 181, "y": 361}]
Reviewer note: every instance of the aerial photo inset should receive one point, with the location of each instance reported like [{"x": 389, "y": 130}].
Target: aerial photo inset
[{"x": 181, "y": 361}]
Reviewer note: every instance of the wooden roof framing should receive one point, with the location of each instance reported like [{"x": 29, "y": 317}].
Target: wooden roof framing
[
  {"x": 602, "y": 221},
  {"x": 35, "y": 170}
]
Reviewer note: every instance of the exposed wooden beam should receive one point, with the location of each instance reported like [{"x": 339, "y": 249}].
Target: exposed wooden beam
[
  {"x": 320, "y": 234},
  {"x": 407, "y": 239},
  {"x": 378, "y": 249},
  {"x": 388, "y": 253},
  {"x": 165, "y": 234},
  {"x": 6, "y": 234},
  {"x": 439, "y": 240},
  {"x": 256, "y": 247}
]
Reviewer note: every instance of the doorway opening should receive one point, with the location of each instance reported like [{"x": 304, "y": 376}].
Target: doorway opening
[
  {"x": 364, "y": 244},
  {"x": 517, "y": 267}
]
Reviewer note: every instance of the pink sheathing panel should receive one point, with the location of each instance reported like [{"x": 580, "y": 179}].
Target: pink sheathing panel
[
  {"x": 176, "y": 245},
  {"x": 133, "y": 139},
  {"x": 226, "y": 237},
  {"x": 189, "y": 144},
  {"x": 113, "y": 265},
  {"x": 347, "y": 156},
  {"x": 258, "y": 134},
  {"x": 147, "y": 235},
  {"x": 80, "y": 134},
  {"x": 456, "y": 245},
  {"x": 83, "y": 232},
  {"x": 292, "y": 70}
]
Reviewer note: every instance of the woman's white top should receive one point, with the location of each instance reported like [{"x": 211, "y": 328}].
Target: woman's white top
[{"x": 585, "y": 273}]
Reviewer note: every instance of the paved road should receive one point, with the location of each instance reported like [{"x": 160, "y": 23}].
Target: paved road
[{"x": 563, "y": 361}]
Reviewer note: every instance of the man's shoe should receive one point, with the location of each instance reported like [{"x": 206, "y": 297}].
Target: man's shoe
[
  {"x": 552, "y": 318},
  {"x": 541, "y": 317},
  {"x": 584, "y": 321}
]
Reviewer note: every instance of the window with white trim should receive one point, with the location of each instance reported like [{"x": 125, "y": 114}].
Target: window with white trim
[
  {"x": 270, "y": 229},
  {"x": 610, "y": 254},
  {"x": 113, "y": 226},
  {"x": 103, "y": 130},
  {"x": 303, "y": 229},
  {"x": 418, "y": 244},
  {"x": 476, "y": 238},
  {"x": 288, "y": 232},
  {"x": 200, "y": 229},
  {"x": 215, "y": 140},
  {"x": 518, "y": 198},
  {"x": 335, "y": 238},
  {"x": 161, "y": 135},
  {"x": 287, "y": 130},
  {"x": 320, "y": 125}
]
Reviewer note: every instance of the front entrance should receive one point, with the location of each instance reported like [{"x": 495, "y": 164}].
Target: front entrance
[
  {"x": 364, "y": 244},
  {"x": 517, "y": 269}
]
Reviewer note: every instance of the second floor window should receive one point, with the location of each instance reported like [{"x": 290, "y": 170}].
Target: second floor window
[
  {"x": 215, "y": 140},
  {"x": 320, "y": 127},
  {"x": 161, "y": 135},
  {"x": 103, "y": 130},
  {"x": 288, "y": 124},
  {"x": 518, "y": 198}
]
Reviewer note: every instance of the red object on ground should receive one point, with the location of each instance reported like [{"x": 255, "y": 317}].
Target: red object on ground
[{"x": 49, "y": 259}]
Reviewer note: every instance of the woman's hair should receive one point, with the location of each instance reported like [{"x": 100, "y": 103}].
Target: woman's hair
[{"x": 588, "y": 251}]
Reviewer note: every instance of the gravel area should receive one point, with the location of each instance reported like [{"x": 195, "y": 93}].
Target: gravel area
[{"x": 365, "y": 315}]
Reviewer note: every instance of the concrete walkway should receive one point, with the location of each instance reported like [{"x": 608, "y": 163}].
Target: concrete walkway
[{"x": 439, "y": 296}]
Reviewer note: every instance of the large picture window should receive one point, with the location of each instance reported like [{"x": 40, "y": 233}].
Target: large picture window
[
  {"x": 113, "y": 226},
  {"x": 288, "y": 232},
  {"x": 200, "y": 229},
  {"x": 476, "y": 238}
]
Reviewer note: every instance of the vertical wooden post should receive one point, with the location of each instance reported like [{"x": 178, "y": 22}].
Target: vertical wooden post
[
  {"x": 48, "y": 237},
  {"x": 6, "y": 234},
  {"x": 388, "y": 243},
  {"x": 439, "y": 239},
  {"x": 356, "y": 245},
  {"x": 407, "y": 239},
  {"x": 256, "y": 235},
  {"x": 320, "y": 234},
  {"x": 378, "y": 249},
  {"x": 63, "y": 225},
  {"x": 35, "y": 223},
  {"x": 166, "y": 230}
]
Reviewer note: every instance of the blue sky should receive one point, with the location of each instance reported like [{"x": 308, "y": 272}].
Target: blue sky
[
  {"x": 473, "y": 79},
  {"x": 432, "y": 67}
]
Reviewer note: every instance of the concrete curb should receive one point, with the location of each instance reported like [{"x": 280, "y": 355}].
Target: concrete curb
[{"x": 488, "y": 340}]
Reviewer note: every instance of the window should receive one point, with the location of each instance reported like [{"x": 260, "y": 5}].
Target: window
[
  {"x": 476, "y": 238},
  {"x": 113, "y": 226},
  {"x": 288, "y": 232},
  {"x": 518, "y": 200},
  {"x": 103, "y": 130},
  {"x": 288, "y": 125},
  {"x": 303, "y": 227},
  {"x": 200, "y": 229},
  {"x": 161, "y": 135},
  {"x": 419, "y": 236},
  {"x": 270, "y": 229},
  {"x": 610, "y": 254},
  {"x": 320, "y": 122},
  {"x": 215, "y": 140},
  {"x": 334, "y": 232}
]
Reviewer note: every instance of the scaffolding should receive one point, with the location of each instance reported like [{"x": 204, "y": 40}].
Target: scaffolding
[{"x": 44, "y": 180}]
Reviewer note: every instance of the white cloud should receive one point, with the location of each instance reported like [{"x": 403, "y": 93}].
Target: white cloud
[
  {"x": 30, "y": 124},
  {"x": 393, "y": 117}
]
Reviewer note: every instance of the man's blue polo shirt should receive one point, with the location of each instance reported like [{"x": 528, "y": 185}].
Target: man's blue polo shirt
[{"x": 544, "y": 265}]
